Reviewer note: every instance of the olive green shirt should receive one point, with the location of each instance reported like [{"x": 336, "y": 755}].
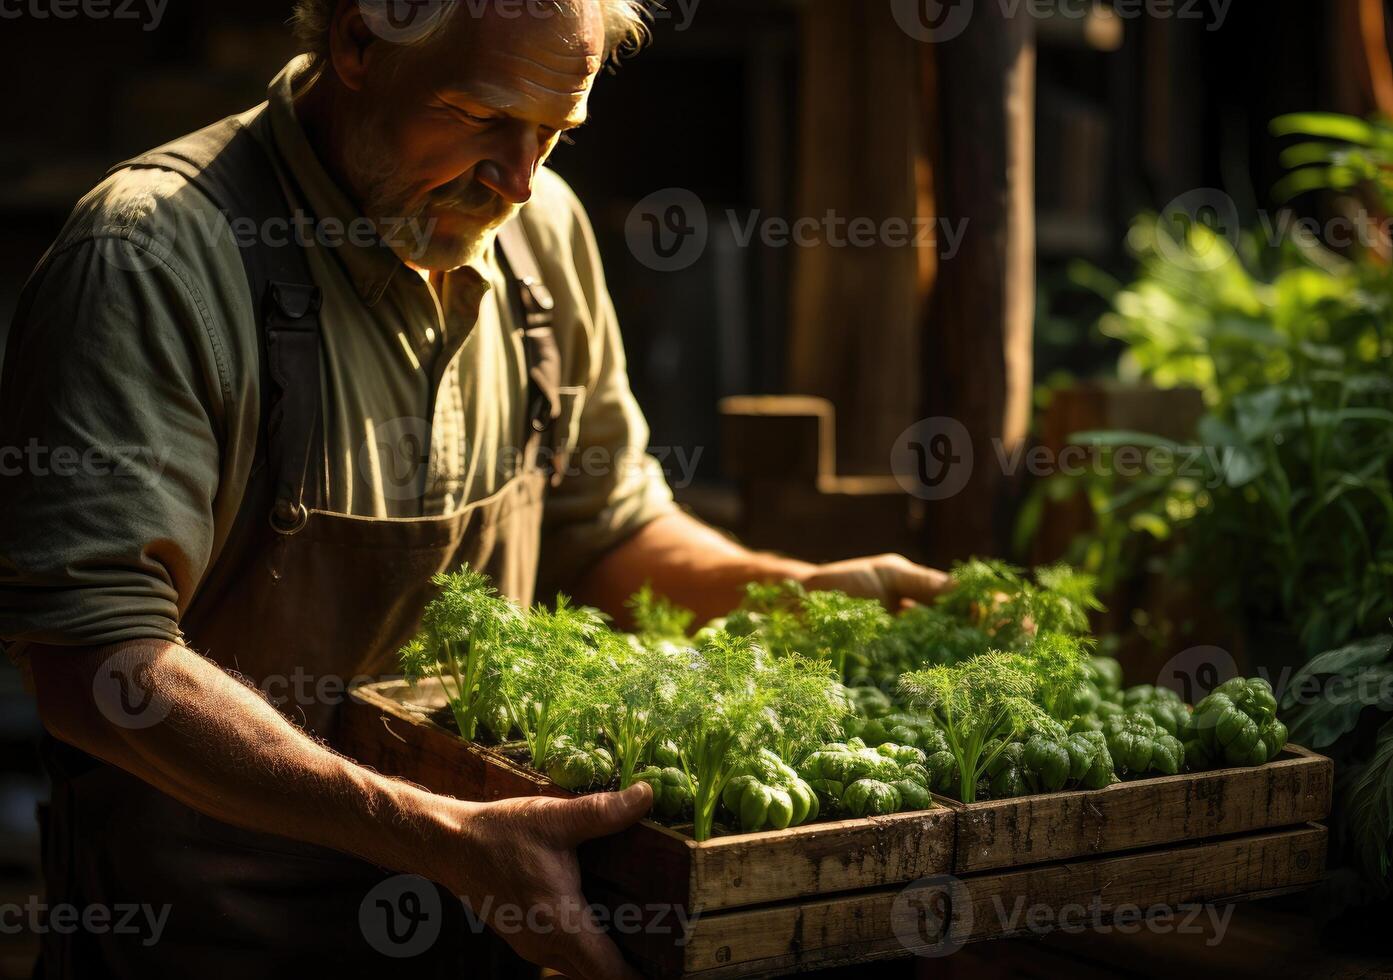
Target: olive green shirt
[{"x": 131, "y": 409}]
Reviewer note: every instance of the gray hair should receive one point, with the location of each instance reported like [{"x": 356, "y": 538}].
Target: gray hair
[{"x": 626, "y": 21}]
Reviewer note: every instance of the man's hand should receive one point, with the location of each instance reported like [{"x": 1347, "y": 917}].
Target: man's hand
[
  {"x": 514, "y": 862},
  {"x": 893, "y": 579}
]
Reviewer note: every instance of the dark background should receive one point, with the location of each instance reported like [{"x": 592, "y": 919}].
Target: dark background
[{"x": 713, "y": 108}]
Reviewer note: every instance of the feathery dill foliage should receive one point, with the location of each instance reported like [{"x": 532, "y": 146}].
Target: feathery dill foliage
[
  {"x": 991, "y": 696},
  {"x": 771, "y": 613},
  {"x": 549, "y": 674},
  {"x": 719, "y": 716},
  {"x": 634, "y": 697},
  {"x": 832, "y": 625},
  {"x": 658, "y": 618},
  {"x": 842, "y": 628},
  {"x": 924, "y": 635},
  {"x": 807, "y": 704},
  {"x": 1063, "y": 600},
  {"x": 1059, "y": 665},
  {"x": 462, "y": 631},
  {"x": 1002, "y": 601}
]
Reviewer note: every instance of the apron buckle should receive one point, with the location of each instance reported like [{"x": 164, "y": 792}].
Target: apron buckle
[{"x": 294, "y": 524}]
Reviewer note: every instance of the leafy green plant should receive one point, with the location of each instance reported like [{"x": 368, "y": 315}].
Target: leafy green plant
[
  {"x": 718, "y": 717},
  {"x": 1370, "y": 803},
  {"x": 981, "y": 705},
  {"x": 549, "y": 676},
  {"x": 656, "y": 618},
  {"x": 831, "y": 625},
  {"x": 1286, "y": 516},
  {"x": 462, "y": 631},
  {"x": 1343, "y": 153},
  {"x": 1285, "y": 505},
  {"x": 1341, "y": 703},
  {"x": 634, "y": 692}
]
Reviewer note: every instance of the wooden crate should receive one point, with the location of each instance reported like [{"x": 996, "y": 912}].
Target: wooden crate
[
  {"x": 387, "y": 726},
  {"x": 854, "y": 891}
]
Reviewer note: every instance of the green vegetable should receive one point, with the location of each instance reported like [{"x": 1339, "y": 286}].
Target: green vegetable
[
  {"x": 672, "y": 792},
  {"x": 837, "y": 769},
  {"x": 733, "y": 703},
  {"x": 1094, "y": 722},
  {"x": 1138, "y": 745},
  {"x": 719, "y": 717},
  {"x": 1090, "y": 762},
  {"x": 664, "y": 755},
  {"x": 830, "y": 625},
  {"x": 575, "y": 768},
  {"x": 1236, "y": 725},
  {"x": 1008, "y": 772},
  {"x": 1144, "y": 694},
  {"x": 634, "y": 689},
  {"x": 870, "y": 702},
  {"x": 990, "y": 699},
  {"x": 871, "y": 798},
  {"x": 1170, "y": 716},
  {"x": 1106, "y": 675},
  {"x": 913, "y": 795},
  {"x": 1047, "y": 761},
  {"x": 766, "y": 794}
]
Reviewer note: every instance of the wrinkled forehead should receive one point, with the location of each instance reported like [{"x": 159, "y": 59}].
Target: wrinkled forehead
[{"x": 524, "y": 54}]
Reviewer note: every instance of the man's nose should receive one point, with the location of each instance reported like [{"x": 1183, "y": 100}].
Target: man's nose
[{"x": 509, "y": 173}]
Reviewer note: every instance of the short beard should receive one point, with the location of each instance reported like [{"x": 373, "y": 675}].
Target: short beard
[{"x": 415, "y": 237}]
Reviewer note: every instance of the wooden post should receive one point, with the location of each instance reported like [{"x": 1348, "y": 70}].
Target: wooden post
[
  {"x": 978, "y": 329},
  {"x": 854, "y": 319}
]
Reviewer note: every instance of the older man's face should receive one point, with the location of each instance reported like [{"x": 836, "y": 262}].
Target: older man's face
[{"x": 458, "y": 129}]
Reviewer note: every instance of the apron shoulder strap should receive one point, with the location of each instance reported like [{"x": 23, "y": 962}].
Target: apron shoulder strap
[
  {"x": 233, "y": 169},
  {"x": 534, "y": 310}
]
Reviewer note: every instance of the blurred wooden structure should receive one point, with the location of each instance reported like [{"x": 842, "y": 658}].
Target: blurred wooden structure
[
  {"x": 782, "y": 453},
  {"x": 897, "y": 128}
]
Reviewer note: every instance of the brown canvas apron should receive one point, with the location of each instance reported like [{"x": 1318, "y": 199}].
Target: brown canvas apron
[{"x": 306, "y": 596}]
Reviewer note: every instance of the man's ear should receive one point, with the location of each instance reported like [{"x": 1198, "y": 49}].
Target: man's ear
[{"x": 352, "y": 44}]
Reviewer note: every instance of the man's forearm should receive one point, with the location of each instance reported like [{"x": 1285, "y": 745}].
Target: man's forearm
[
  {"x": 687, "y": 561},
  {"x": 220, "y": 748}
]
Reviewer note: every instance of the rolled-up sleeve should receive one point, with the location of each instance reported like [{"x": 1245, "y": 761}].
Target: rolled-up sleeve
[
  {"x": 109, "y": 449},
  {"x": 613, "y": 487}
]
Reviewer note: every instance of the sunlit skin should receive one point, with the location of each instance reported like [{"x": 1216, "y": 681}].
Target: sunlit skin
[{"x": 451, "y": 135}]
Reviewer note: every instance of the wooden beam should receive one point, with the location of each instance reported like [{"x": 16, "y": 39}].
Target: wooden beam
[
  {"x": 854, "y": 323},
  {"x": 978, "y": 331}
]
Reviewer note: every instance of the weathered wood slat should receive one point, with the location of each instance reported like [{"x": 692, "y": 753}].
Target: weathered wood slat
[
  {"x": 896, "y": 922},
  {"x": 1294, "y": 789}
]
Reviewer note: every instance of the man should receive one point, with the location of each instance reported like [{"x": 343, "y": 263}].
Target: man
[{"x": 211, "y": 489}]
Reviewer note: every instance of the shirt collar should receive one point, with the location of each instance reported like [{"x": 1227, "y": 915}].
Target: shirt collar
[{"x": 371, "y": 268}]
